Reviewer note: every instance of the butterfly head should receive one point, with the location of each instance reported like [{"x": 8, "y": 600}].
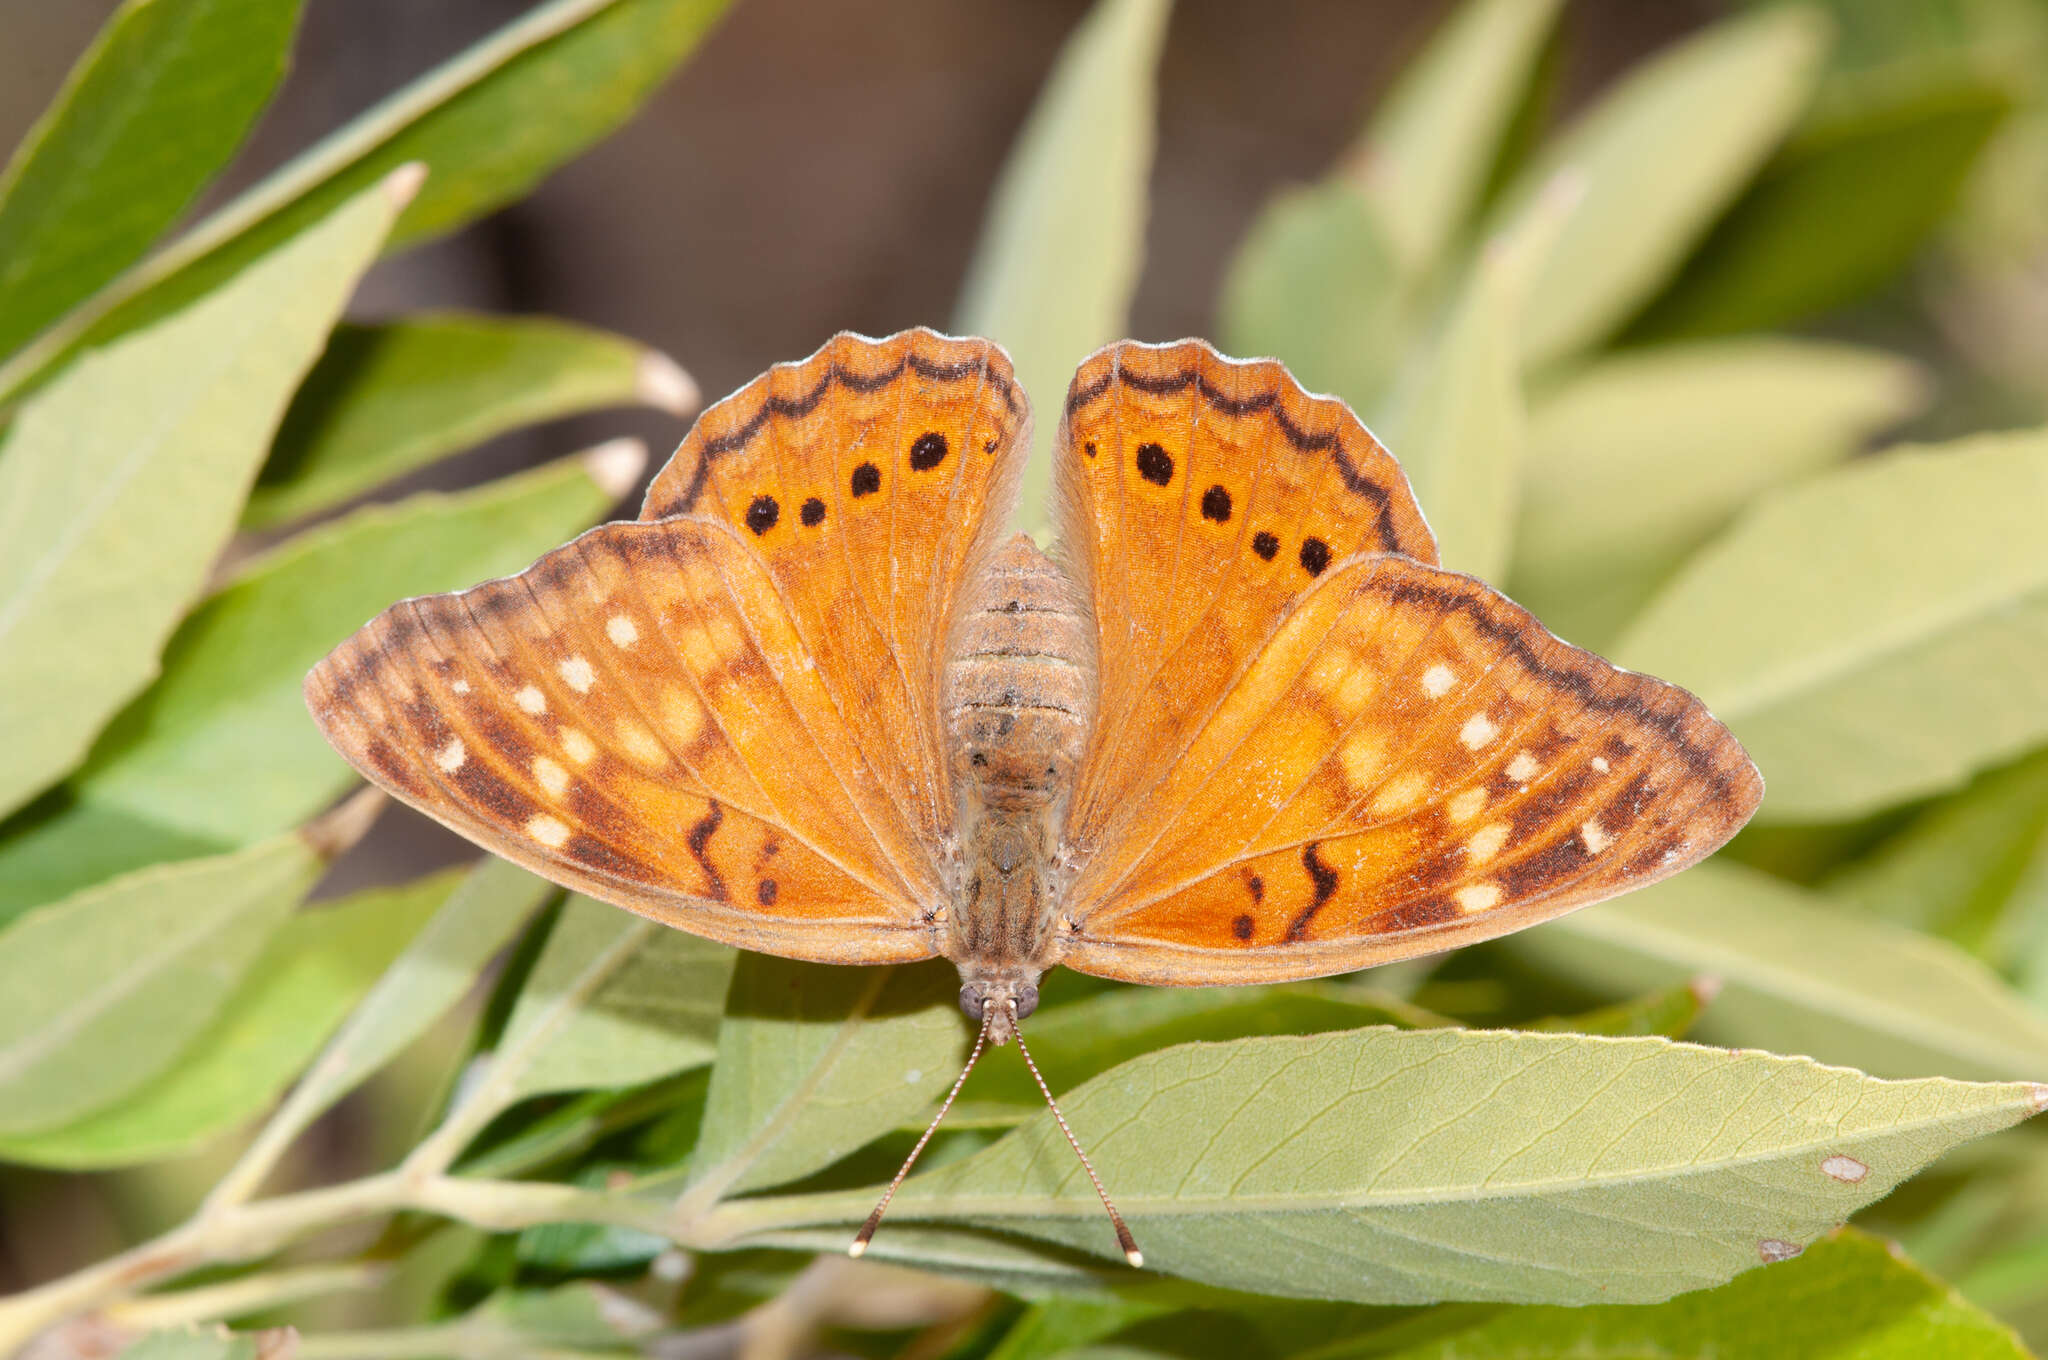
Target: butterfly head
[{"x": 999, "y": 1001}]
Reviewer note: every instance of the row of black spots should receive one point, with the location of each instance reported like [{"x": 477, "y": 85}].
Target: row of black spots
[
  {"x": 926, "y": 452},
  {"x": 1314, "y": 556}
]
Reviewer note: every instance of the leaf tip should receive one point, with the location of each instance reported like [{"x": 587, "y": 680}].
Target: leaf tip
[
  {"x": 2037, "y": 1097},
  {"x": 661, "y": 383},
  {"x": 403, "y": 183},
  {"x": 332, "y": 833},
  {"x": 616, "y": 465}
]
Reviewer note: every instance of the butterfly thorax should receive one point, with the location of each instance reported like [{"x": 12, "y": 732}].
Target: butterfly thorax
[{"x": 1017, "y": 715}]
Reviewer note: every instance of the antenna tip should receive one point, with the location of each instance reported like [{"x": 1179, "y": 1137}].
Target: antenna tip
[
  {"x": 857, "y": 1248},
  {"x": 1135, "y": 1257}
]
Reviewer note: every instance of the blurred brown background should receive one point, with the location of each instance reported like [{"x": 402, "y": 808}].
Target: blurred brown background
[{"x": 817, "y": 166}]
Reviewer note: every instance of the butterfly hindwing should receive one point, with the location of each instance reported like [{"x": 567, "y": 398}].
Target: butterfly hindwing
[
  {"x": 1197, "y": 496},
  {"x": 871, "y": 478},
  {"x": 1410, "y": 762}
]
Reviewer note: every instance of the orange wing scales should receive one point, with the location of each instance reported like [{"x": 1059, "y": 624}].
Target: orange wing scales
[
  {"x": 634, "y": 716},
  {"x": 1411, "y": 763},
  {"x": 1197, "y": 496},
  {"x": 871, "y": 478}
]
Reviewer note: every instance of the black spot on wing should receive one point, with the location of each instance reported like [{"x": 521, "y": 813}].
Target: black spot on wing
[
  {"x": 1216, "y": 504},
  {"x": 762, "y": 514},
  {"x": 1265, "y": 545},
  {"x": 928, "y": 451},
  {"x": 1323, "y": 884},
  {"x": 1155, "y": 464},
  {"x": 867, "y": 480}
]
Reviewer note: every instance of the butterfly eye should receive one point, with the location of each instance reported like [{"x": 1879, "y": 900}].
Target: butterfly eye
[
  {"x": 1027, "y": 1000},
  {"x": 971, "y": 1000}
]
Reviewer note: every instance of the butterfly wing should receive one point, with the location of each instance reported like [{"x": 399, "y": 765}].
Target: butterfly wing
[
  {"x": 1361, "y": 763},
  {"x": 711, "y": 718}
]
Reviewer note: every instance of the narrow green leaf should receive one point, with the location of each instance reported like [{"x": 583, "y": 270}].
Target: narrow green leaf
[
  {"x": 1387, "y": 1166},
  {"x": 491, "y": 123},
  {"x": 194, "y": 1343},
  {"x": 816, "y": 1061},
  {"x": 1836, "y": 215},
  {"x": 1657, "y": 173},
  {"x": 1636, "y": 459},
  {"x": 1972, "y": 869},
  {"x": 614, "y": 1000},
  {"x": 1316, "y": 285},
  {"x": 1800, "y": 976},
  {"x": 1425, "y": 158},
  {"x": 1058, "y": 259},
  {"x": 387, "y": 399},
  {"x": 1875, "y": 634},
  {"x": 437, "y": 968},
  {"x": 227, "y": 715},
  {"x": 120, "y": 483},
  {"x": 153, "y": 109},
  {"x": 1848, "y": 1297},
  {"x": 1669, "y": 1011},
  {"x": 102, "y": 991},
  {"x": 318, "y": 964},
  {"x": 1457, "y": 424}
]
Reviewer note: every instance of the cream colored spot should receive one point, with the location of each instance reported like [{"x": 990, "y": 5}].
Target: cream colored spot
[
  {"x": 531, "y": 700},
  {"x": 552, "y": 832},
  {"x": 1486, "y": 842},
  {"x": 1478, "y": 897},
  {"x": 1477, "y": 731},
  {"x": 1329, "y": 670},
  {"x": 1600, "y": 765},
  {"x": 459, "y": 686},
  {"x": 725, "y": 637},
  {"x": 621, "y": 630},
  {"x": 1356, "y": 689},
  {"x": 698, "y": 652},
  {"x": 1400, "y": 794},
  {"x": 581, "y": 749},
  {"x": 1845, "y": 1168},
  {"x": 577, "y": 674},
  {"x": 640, "y": 743},
  {"x": 1362, "y": 757},
  {"x": 682, "y": 715},
  {"x": 1437, "y": 681},
  {"x": 1522, "y": 768},
  {"x": 451, "y": 756},
  {"x": 1467, "y": 805},
  {"x": 552, "y": 777},
  {"x": 1595, "y": 836}
]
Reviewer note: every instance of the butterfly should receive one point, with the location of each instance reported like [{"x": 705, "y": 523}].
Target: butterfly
[{"x": 1242, "y": 728}]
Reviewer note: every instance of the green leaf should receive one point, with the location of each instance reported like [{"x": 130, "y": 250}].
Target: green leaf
[
  {"x": 1972, "y": 869},
  {"x": 816, "y": 1061},
  {"x": 1657, "y": 172},
  {"x": 1316, "y": 285},
  {"x": 318, "y": 964},
  {"x": 1458, "y": 422},
  {"x": 104, "y": 990},
  {"x": 384, "y": 400},
  {"x": 1848, "y": 1297},
  {"x": 614, "y": 1000},
  {"x": 194, "y": 1343},
  {"x": 1637, "y": 458},
  {"x": 1053, "y": 274},
  {"x": 121, "y": 482},
  {"x": 227, "y": 715},
  {"x": 1386, "y": 1166},
  {"x": 1800, "y": 976},
  {"x": 1425, "y": 158},
  {"x": 1875, "y": 634},
  {"x": 1669, "y": 1011},
  {"x": 1836, "y": 215},
  {"x": 490, "y": 122},
  {"x": 156, "y": 105},
  {"x": 437, "y": 968}
]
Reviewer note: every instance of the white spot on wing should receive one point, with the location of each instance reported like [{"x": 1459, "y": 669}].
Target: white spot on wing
[
  {"x": 459, "y": 686},
  {"x": 1467, "y": 805},
  {"x": 531, "y": 700},
  {"x": 1437, "y": 681},
  {"x": 1522, "y": 768},
  {"x": 1845, "y": 1168},
  {"x": 1477, "y": 897},
  {"x": 1486, "y": 842},
  {"x": 552, "y": 832},
  {"x": 1595, "y": 836},
  {"x": 552, "y": 777},
  {"x": 1477, "y": 731},
  {"x": 580, "y": 747},
  {"x": 621, "y": 630},
  {"x": 577, "y": 674},
  {"x": 1600, "y": 765},
  {"x": 450, "y": 757}
]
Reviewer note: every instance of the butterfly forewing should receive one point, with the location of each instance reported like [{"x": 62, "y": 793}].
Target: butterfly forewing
[
  {"x": 1198, "y": 495},
  {"x": 871, "y": 478},
  {"x": 1410, "y": 762}
]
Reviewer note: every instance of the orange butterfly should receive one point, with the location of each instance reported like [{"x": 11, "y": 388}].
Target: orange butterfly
[{"x": 1248, "y": 731}]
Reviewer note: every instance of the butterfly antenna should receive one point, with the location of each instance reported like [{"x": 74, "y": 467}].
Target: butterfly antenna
[
  {"x": 867, "y": 1229},
  {"x": 1123, "y": 1234}
]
